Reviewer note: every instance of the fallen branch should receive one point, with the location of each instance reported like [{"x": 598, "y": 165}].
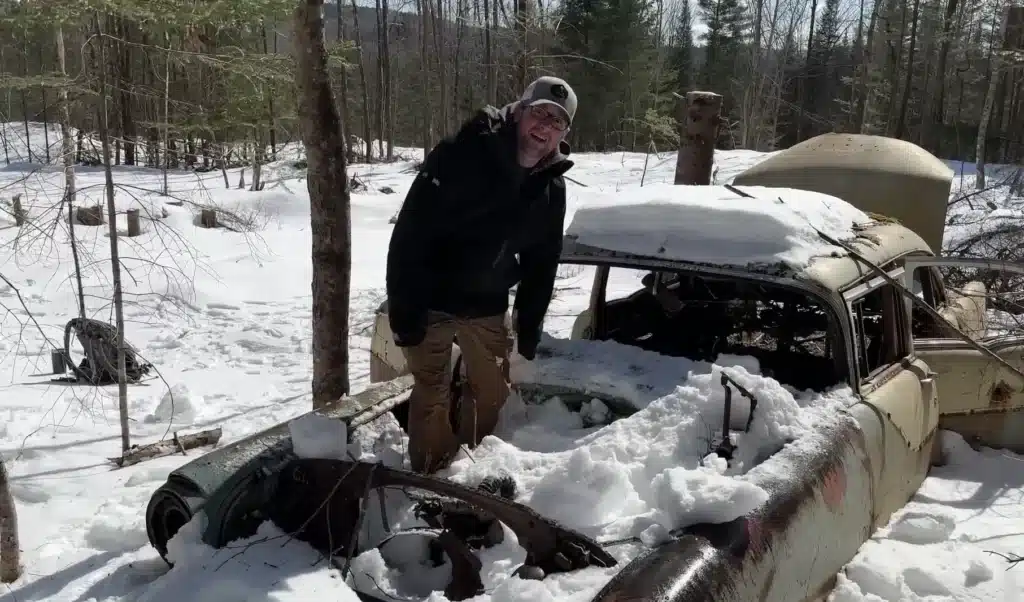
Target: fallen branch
[
  {"x": 166, "y": 447},
  {"x": 1012, "y": 559}
]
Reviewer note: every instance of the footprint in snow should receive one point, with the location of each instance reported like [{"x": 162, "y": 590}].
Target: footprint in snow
[
  {"x": 223, "y": 306},
  {"x": 922, "y": 527},
  {"x": 923, "y": 582},
  {"x": 977, "y": 572}
]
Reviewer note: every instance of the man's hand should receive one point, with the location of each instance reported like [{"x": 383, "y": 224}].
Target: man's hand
[{"x": 526, "y": 345}]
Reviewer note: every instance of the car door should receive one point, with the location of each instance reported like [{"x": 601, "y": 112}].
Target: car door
[
  {"x": 978, "y": 397},
  {"x": 895, "y": 384}
]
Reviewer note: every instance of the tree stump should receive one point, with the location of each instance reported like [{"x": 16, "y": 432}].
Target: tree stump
[
  {"x": 57, "y": 363},
  {"x": 17, "y": 210},
  {"x": 90, "y": 216},
  {"x": 699, "y": 114},
  {"x": 134, "y": 224},
  {"x": 208, "y": 218},
  {"x": 10, "y": 546}
]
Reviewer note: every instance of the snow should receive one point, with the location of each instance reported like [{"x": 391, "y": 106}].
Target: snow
[
  {"x": 945, "y": 544},
  {"x": 316, "y": 436},
  {"x": 225, "y": 318},
  {"x": 715, "y": 225}
]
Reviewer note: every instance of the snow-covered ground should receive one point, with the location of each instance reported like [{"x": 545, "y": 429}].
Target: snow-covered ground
[{"x": 225, "y": 318}]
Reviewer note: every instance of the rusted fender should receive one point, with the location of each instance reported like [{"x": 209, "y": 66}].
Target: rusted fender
[{"x": 827, "y": 494}]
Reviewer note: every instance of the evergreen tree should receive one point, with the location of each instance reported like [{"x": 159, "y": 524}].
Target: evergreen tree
[
  {"x": 614, "y": 40},
  {"x": 681, "y": 55},
  {"x": 822, "y": 79},
  {"x": 726, "y": 29}
]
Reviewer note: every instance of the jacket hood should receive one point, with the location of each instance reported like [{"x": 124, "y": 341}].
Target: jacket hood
[{"x": 499, "y": 125}]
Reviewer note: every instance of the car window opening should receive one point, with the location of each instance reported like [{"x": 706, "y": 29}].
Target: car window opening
[{"x": 699, "y": 317}]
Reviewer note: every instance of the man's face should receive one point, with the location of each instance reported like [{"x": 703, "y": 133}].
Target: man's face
[{"x": 541, "y": 128}]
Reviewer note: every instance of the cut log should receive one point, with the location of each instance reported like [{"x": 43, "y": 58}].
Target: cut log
[
  {"x": 134, "y": 224},
  {"x": 166, "y": 447},
  {"x": 699, "y": 115},
  {"x": 89, "y": 216},
  {"x": 57, "y": 362}
]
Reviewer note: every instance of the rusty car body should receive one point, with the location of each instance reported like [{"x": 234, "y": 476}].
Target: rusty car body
[{"x": 878, "y": 319}]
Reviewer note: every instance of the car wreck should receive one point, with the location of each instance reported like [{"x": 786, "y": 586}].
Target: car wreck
[{"x": 868, "y": 313}]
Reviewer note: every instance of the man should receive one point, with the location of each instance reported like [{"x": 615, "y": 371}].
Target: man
[{"x": 485, "y": 212}]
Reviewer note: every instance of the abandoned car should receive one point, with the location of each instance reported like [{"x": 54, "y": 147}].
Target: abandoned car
[{"x": 872, "y": 313}]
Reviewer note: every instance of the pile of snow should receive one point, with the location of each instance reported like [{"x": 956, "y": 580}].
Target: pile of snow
[
  {"x": 641, "y": 476},
  {"x": 714, "y": 225},
  {"x": 316, "y": 436},
  {"x": 177, "y": 406}
]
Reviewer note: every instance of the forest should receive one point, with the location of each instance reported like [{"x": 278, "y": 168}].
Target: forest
[{"x": 200, "y": 83}]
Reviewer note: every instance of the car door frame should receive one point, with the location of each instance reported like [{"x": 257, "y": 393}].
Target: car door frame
[
  {"x": 899, "y": 392},
  {"x": 984, "y": 410}
]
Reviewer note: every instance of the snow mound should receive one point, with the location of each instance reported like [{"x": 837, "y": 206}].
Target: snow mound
[
  {"x": 178, "y": 406},
  {"x": 713, "y": 225},
  {"x": 316, "y": 436}
]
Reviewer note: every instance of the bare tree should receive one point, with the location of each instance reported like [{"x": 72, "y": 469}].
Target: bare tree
[
  {"x": 115, "y": 260},
  {"x": 330, "y": 218},
  {"x": 67, "y": 150}
]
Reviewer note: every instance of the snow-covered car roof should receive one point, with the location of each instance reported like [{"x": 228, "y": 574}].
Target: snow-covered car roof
[{"x": 776, "y": 231}]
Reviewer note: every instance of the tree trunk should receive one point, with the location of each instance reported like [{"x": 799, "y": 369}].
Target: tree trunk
[
  {"x": 901, "y": 121},
  {"x": 860, "y": 113},
  {"x": 938, "y": 112},
  {"x": 986, "y": 113},
  {"x": 699, "y": 115},
  {"x": 66, "y": 150},
  {"x": 492, "y": 85},
  {"x": 387, "y": 85},
  {"x": 522, "y": 25},
  {"x": 427, "y": 108},
  {"x": 346, "y": 115},
  {"x": 271, "y": 115},
  {"x": 330, "y": 218},
  {"x": 367, "y": 135},
  {"x": 10, "y": 545},
  {"x": 115, "y": 260},
  {"x": 809, "y": 80},
  {"x": 124, "y": 77},
  {"x": 167, "y": 111},
  {"x": 24, "y": 102},
  {"x": 444, "y": 95}
]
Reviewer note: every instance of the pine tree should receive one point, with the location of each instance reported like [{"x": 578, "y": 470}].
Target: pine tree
[
  {"x": 616, "y": 37},
  {"x": 681, "y": 56},
  {"x": 726, "y": 29},
  {"x": 822, "y": 79}
]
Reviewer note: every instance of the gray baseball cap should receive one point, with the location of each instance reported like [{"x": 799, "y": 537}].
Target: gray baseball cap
[{"x": 553, "y": 91}]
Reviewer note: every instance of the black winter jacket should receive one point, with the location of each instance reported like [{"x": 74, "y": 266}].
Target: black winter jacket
[{"x": 473, "y": 225}]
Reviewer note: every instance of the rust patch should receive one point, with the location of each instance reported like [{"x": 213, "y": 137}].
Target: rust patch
[
  {"x": 1000, "y": 395},
  {"x": 711, "y": 561},
  {"x": 766, "y": 589},
  {"x": 834, "y": 488},
  {"x": 755, "y": 535}
]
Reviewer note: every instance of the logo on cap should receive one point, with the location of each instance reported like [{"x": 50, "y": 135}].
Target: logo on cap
[{"x": 559, "y": 92}]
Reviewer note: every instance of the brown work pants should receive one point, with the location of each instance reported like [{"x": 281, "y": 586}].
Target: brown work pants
[{"x": 485, "y": 345}]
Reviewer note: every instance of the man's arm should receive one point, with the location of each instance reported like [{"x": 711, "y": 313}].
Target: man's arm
[
  {"x": 539, "y": 267},
  {"x": 407, "y": 275}
]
